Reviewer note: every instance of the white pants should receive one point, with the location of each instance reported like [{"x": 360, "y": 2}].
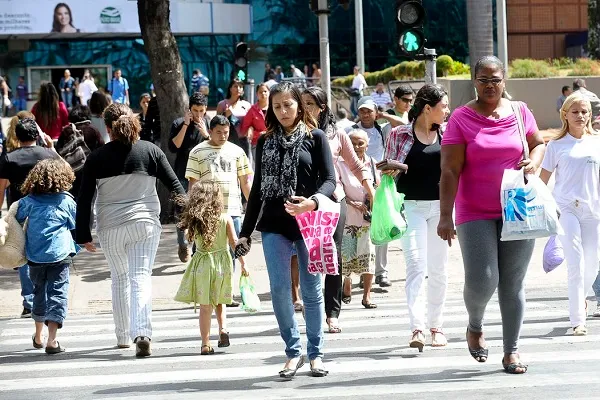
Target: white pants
[
  {"x": 581, "y": 246},
  {"x": 424, "y": 253},
  {"x": 381, "y": 253},
  {"x": 130, "y": 250}
]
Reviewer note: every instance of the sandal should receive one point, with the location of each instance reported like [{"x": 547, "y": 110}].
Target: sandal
[
  {"x": 223, "y": 339},
  {"x": 289, "y": 373},
  {"x": 35, "y": 344},
  {"x": 347, "y": 298},
  {"x": 317, "y": 372},
  {"x": 55, "y": 350},
  {"x": 438, "y": 339},
  {"x": 417, "y": 340},
  {"x": 368, "y": 304},
  {"x": 580, "y": 330},
  {"x": 513, "y": 367},
  {"x": 333, "y": 328},
  {"x": 481, "y": 355},
  {"x": 206, "y": 350}
]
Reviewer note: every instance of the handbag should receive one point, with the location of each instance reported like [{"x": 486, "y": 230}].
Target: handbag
[
  {"x": 529, "y": 210},
  {"x": 12, "y": 239}
]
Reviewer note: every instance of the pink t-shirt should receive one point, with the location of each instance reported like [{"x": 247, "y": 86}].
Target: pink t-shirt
[{"x": 491, "y": 147}]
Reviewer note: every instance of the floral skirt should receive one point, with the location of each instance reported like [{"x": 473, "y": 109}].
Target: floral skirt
[{"x": 358, "y": 253}]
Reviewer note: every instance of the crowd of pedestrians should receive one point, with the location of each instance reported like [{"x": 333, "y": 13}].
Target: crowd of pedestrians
[{"x": 256, "y": 167}]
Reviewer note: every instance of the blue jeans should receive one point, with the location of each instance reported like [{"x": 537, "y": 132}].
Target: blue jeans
[
  {"x": 26, "y": 287},
  {"x": 596, "y": 287},
  {"x": 21, "y": 104},
  {"x": 278, "y": 253},
  {"x": 51, "y": 291},
  {"x": 67, "y": 98},
  {"x": 181, "y": 239}
]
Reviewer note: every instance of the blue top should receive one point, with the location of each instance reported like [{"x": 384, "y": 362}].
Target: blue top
[
  {"x": 66, "y": 83},
  {"x": 51, "y": 218},
  {"x": 119, "y": 88},
  {"x": 198, "y": 81}
]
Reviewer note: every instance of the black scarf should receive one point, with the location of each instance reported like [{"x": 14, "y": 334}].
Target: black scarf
[{"x": 279, "y": 171}]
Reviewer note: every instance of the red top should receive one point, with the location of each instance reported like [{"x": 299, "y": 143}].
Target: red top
[
  {"x": 255, "y": 119},
  {"x": 55, "y": 128}
]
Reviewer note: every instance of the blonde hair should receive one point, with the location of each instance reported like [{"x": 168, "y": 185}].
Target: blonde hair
[
  {"x": 49, "y": 176},
  {"x": 12, "y": 143},
  {"x": 202, "y": 210},
  {"x": 576, "y": 97}
]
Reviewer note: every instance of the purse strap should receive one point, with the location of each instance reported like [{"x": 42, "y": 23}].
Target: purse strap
[{"x": 516, "y": 106}]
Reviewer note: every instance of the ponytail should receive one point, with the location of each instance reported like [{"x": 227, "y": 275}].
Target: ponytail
[{"x": 126, "y": 129}]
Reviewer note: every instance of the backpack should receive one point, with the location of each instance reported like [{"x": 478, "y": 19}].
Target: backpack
[
  {"x": 75, "y": 151},
  {"x": 12, "y": 240}
]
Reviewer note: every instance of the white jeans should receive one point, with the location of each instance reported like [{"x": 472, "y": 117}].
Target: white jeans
[
  {"x": 580, "y": 243},
  {"x": 424, "y": 253},
  {"x": 130, "y": 250},
  {"x": 381, "y": 253}
]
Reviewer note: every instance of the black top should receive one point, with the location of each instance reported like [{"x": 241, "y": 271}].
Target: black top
[
  {"x": 316, "y": 174},
  {"x": 151, "y": 126},
  {"x": 423, "y": 177},
  {"x": 192, "y": 138},
  {"x": 16, "y": 165}
]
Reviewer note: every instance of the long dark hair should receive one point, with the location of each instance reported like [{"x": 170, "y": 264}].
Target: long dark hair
[
  {"x": 234, "y": 81},
  {"x": 56, "y": 26},
  {"x": 98, "y": 102},
  {"x": 271, "y": 119},
  {"x": 47, "y": 105},
  {"x": 429, "y": 95},
  {"x": 326, "y": 118}
]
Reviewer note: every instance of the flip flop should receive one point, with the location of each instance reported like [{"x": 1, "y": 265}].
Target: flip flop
[
  {"x": 512, "y": 368},
  {"x": 209, "y": 350},
  {"x": 333, "y": 328},
  {"x": 35, "y": 344},
  {"x": 55, "y": 350},
  {"x": 289, "y": 373},
  {"x": 223, "y": 339},
  {"x": 368, "y": 304}
]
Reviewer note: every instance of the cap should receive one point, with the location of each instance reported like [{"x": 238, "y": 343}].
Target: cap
[{"x": 367, "y": 102}]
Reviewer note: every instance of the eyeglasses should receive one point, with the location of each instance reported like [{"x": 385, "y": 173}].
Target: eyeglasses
[
  {"x": 406, "y": 100},
  {"x": 493, "y": 81}
]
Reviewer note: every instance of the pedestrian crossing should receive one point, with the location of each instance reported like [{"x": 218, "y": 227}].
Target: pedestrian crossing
[{"x": 369, "y": 358}]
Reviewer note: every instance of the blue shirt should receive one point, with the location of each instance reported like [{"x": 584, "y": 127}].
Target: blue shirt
[
  {"x": 119, "y": 88},
  {"x": 51, "y": 218},
  {"x": 66, "y": 83},
  {"x": 198, "y": 81}
]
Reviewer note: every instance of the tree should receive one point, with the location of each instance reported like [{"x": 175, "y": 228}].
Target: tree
[
  {"x": 167, "y": 75},
  {"x": 593, "y": 44},
  {"x": 480, "y": 30}
]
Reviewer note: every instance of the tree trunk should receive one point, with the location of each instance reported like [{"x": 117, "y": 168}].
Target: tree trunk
[
  {"x": 167, "y": 76},
  {"x": 593, "y": 45},
  {"x": 479, "y": 26}
]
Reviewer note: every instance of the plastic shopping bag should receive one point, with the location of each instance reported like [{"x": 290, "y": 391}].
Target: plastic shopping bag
[
  {"x": 554, "y": 255},
  {"x": 250, "y": 300},
  {"x": 528, "y": 208},
  {"x": 387, "y": 220}
]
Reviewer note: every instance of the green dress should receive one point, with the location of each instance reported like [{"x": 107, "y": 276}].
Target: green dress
[{"x": 207, "y": 279}]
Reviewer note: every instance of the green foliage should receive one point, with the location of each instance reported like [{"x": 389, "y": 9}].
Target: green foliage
[
  {"x": 459, "y": 68},
  {"x": 445, "y": 64},
  {"x": 562, "y": 63},
  {"x": 585, "y": 67},
  {"x": 528, "y": 68}
]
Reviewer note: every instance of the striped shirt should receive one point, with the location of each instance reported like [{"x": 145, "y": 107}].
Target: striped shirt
[{"x": 225, "y": 165}]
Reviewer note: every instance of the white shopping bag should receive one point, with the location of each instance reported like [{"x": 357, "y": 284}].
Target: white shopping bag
[{"x": 528, "y": 207}]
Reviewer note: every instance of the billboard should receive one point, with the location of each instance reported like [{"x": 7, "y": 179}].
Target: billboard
[{"x": 84, "y": 18}]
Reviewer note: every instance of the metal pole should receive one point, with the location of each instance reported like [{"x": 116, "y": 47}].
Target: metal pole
[
  {"x": 430, "y": 66},
  {"x": 360, "y": 35},
  {"x": 501, "y": 31},
  {"x": 323, "y": 14},
  {"x": 251, "y": 90}
]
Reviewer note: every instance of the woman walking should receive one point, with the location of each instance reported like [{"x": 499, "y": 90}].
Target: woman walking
[
  {"x": 50, "y": 113},
  {"x": 123, "y": 172},
  {"x": 254, "y": 121},
  {"x": 481, "y": 141},
  {"x": 418, "y": 145},
  {"x": 295, "y": 164},
  {"x": 574, "y": 155},
  {"x": 235, "y": 108},
  {"x": 315, "y": 102}
]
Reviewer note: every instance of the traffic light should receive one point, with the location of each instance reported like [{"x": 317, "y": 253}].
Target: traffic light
[
  {"x": 409, "y": 22},
  {"x": 240, "y": 62}
]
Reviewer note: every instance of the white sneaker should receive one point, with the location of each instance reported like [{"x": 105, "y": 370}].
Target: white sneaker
[{"x": 597, "y": 312}]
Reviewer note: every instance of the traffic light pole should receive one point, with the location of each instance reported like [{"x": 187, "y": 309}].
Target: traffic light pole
[
  {"x": 323, "y": 14},
  {"x": 430, "y": 65}
]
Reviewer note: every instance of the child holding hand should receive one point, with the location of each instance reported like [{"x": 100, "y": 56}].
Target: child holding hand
[
  {"x": 207, "y": 279},
  {"x": 49, "y": 210}
]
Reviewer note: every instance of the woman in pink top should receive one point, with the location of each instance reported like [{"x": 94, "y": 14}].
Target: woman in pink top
[
  {"x": 315, "y": 102},
  {"x": 254, "y": 122},
  {"x": 50, "y": 113},
  {"x": 235, "y": 108},
  {"x": 482, "y": 139}
]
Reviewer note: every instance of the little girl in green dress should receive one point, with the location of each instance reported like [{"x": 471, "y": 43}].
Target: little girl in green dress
[{"x": 207, "y": 279}]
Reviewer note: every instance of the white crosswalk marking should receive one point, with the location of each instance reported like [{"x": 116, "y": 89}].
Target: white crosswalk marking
[{"x": 369, "y": 358}]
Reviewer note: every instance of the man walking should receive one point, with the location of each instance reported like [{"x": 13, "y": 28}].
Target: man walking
[
  {"x": 359, "y": 84},
  {"x": 119, "y": 88},
  {"x": 86, "y": 89}
]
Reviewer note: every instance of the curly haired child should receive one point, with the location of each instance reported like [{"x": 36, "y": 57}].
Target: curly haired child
[
  {"x": 207, "y": 279},
  {"x": 50, "y": 213}
]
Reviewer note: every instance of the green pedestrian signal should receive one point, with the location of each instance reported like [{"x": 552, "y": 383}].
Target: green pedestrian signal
[
  {"x": 241, "y": 75},
  {"x": 409, "y": 23}
]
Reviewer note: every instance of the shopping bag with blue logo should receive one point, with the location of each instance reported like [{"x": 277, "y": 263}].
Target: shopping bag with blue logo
[
  {"x": 529, "y": 210},
  {"x": 387, "y": 220},
  {"x": 250, "y": 300}
]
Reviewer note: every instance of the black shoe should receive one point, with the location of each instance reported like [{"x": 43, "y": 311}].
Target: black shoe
[
  {"x": 143, "y": 348},
  {"x": 233, "y": 304},
  {"x": 26, "y": 313},
  {"x": 383, "y": 281}
]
